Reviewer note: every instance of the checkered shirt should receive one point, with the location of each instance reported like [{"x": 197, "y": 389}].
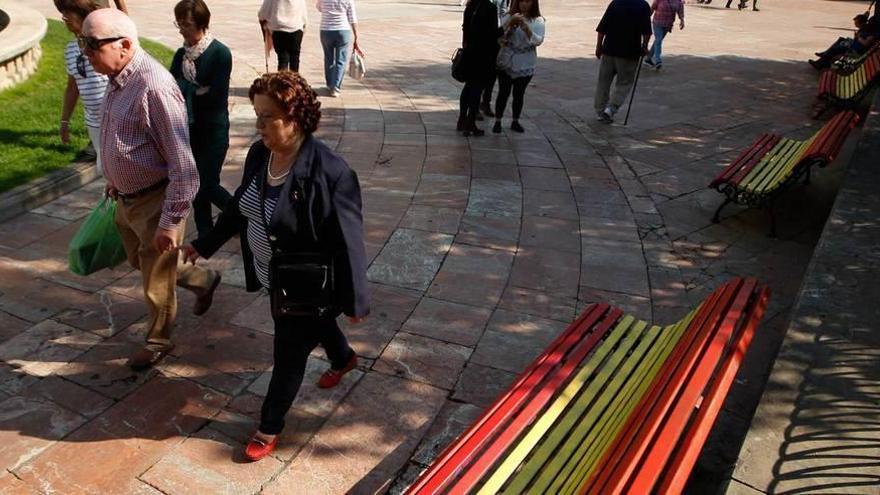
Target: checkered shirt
[{"x": 145, "y": 136}]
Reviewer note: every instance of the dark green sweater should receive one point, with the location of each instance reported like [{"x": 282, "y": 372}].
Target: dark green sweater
[{"x": 213, "y": 68}]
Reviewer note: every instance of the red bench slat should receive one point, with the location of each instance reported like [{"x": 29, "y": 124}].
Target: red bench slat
[
  {"x": 621, "y": 445},
  {"x": 708, "y": 357},
  {"x": 621, "y": 459},
  {"x": 681, "y": 465}
]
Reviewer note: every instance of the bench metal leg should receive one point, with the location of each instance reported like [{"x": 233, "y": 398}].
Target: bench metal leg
[
  {"x": 807, "y": 176},
  {"x": 717, "y": 217},
  {"x": 772, "y": 220}
]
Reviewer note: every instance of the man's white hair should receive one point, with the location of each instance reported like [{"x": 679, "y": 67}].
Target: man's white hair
[{"x": 110, "y": 23}]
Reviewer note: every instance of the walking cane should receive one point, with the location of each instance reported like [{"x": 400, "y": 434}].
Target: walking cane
[{"x": 633, "y": 94}]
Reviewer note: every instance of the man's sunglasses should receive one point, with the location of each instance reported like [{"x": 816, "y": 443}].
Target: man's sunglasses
[{"x": 90, "y": 43}]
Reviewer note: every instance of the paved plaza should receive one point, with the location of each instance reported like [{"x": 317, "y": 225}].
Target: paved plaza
[{"x": 482, "y": 251}]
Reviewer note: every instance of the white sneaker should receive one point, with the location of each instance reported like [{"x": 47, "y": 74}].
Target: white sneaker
[{"x": 334, "y": 93}]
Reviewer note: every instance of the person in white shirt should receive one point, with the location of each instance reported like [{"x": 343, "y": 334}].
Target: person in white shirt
[
  {"x": 83, "y": 83},
  {"x": 286, "y": 21},
  {"x": 339, "y": 36},
  {"x": 523, "y": 33}
]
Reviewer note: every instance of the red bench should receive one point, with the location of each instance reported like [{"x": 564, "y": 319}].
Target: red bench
[
  {"x": 843, "y": 89},
  {"x": 772, "y": 163},
  {"x": 613, "y": 405}
]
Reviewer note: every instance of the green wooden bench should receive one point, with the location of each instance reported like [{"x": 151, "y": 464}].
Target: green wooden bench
[
  {"x": 772, "y": 163},
  {"x": 613, "y": 405}
]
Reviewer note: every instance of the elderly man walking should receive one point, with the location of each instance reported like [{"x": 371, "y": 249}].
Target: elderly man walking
[
  {"x": 623, "y": 35},
  {"x": 150, "y": 171}
]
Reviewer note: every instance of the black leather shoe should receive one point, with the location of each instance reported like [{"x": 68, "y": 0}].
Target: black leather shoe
[
  {"x": 497, "y": 127},
  {"x": 516, "y": 127}
]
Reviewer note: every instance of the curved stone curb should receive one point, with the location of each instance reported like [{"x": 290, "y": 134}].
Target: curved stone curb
[{"x": 45, "y": 189}]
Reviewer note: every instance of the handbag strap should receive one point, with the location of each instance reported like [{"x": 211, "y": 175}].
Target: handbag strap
[{"x": 262, "y": 199}]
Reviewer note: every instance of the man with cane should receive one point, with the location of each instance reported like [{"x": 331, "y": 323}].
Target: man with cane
[{"x": 622, "y": 41}]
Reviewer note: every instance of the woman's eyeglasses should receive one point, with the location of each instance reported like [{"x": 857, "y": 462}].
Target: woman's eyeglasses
[
  {"x": 262, "y": 120},
  {"x": 91, "y": 44}
]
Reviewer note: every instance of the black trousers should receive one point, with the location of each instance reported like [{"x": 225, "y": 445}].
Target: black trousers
[
  {"x": 487, "y": 91},
  {"x": 469, "y": 100},
  {"x": 505, "y": 83},
  {"x": 209, "y": 145},
  {"x": 295, "y": 339},
  {"x": 287, "y": 47}
]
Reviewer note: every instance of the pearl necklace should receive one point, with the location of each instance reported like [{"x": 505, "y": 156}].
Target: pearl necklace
[{"x": 269, "y": 170}]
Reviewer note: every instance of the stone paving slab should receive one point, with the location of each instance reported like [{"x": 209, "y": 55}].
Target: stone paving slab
[{"x": 482, "y": 250}]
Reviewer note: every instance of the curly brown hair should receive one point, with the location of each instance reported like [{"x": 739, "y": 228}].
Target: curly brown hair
[{"x": 293, "y": 94}]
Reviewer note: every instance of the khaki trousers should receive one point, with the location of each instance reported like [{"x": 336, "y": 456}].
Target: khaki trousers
[
  {"x": 137, "y": 220},
  {"x": 622, "y": 71}
]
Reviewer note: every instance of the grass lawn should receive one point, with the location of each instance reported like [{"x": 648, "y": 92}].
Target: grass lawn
[{"x": 30, "y": 145}]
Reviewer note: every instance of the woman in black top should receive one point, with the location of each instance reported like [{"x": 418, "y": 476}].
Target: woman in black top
[
  {"x": 296, "y": 196},
  {"x": 479, "y": 41},
  {"x": 202, "y": 68}
]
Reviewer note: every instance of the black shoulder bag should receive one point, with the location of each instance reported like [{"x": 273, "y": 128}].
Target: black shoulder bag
[{"x": 301, "y": 284}]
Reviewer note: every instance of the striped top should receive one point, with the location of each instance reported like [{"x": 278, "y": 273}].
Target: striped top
[
  {"x": 249, "y": 205},
  {"x": 91, "y": 85},
  {"x": 145, "y": 136},
  {"x": 337, "y": 15}
]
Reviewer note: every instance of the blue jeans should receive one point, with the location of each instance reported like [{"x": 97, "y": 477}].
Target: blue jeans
[
  {"x": 337, "y": 48},
  {"x": 657, "y": 46}
]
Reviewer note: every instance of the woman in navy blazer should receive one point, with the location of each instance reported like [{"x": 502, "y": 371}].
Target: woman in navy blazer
[{"x": 310, "y": 201}]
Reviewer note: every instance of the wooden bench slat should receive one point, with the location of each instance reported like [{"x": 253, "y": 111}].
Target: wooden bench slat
[
  {"x": 684, "y": 460},
  {"x": 772, "y": 164},
  {"x": 596, "y": 481},
  {"x": 708, "y": 355},
  {"x": 461, "y": 452},
  {"x": 783, "y": 170},
  {"x": 590, "y": 413},
  {"x": 755, "y": 159},
  {"x": 575, "y": 389},
  {"x": 746, "y": 159},
  {"x": 586, "y": 457},
  {"x": 634, "y": 442},
  {"x": 530, "y": 408}
]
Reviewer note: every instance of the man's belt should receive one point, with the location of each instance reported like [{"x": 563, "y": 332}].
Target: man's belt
[{"x": 142, "y": 192}]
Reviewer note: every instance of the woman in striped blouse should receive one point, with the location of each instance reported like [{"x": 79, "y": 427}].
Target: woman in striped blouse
[
  {"x": 339, "y": 36},
  {"x": 83, "y": 83},
  {"x": 296, "y": 196}
]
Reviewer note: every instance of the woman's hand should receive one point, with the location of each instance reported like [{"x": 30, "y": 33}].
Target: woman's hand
[
  {"x": 190, "y": 254},
  {"x": 357, "y": 48}
]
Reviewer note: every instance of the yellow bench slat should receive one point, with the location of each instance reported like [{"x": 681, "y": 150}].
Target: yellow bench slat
[
  {"x": 770, "y": 164},
  {"x": 783, "y": 170},
  {"x": 536, "y": 433},
  {"x": 584, "y": 417},
  {"x": 585, "y": 459}
]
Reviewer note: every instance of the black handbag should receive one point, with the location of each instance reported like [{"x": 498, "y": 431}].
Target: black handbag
[
  {"x": 300, "y": 283},
  {"x": 459, "y": 72}
]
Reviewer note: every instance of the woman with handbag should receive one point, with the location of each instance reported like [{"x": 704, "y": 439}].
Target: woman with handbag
[
  {"x": 202, "y": 67},
  {"x": 299, "y": 210},
  {"x": 523, "y": 33},
  {"x": 479, "y": 45}
]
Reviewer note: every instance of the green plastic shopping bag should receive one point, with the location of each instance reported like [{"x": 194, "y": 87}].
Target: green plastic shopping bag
[{"x": 97, "y": 244}]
